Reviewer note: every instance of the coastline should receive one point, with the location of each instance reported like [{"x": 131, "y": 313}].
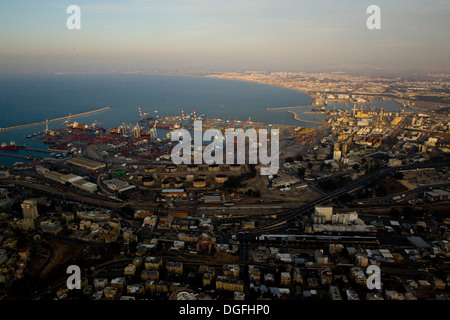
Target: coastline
[
  {"x": 259, "y": 82},
  {"x": 421, "y": 105}
]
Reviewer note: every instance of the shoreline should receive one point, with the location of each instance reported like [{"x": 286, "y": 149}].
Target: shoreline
[
  {"x": 258, "y": 82},
  {"x": 421, "y": 105}
]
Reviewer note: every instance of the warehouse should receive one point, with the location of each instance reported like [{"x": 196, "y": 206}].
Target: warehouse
[
  {"x": 115, "y": 184},
  {"x": 85, "y": 185},
  {"x": 437, "y": 195},
  {"x": 173, "y": 193},
  {"x": 86, "y": 163}
]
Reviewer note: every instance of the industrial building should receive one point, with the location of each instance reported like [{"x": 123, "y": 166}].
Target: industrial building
[
  {"x": 173, "y": 193},
  {"x": 437, "y": 195},
  {"x": 115, "y": 184},
  {"x": 70, "y": 178},
  {"x": 53, "y": 227},
  {"x": 86, "y": 163},
  {"x": 322, "y": 214}
]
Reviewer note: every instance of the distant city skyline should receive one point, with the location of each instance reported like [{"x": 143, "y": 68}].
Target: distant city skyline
[{"x": 284, "y": 35}]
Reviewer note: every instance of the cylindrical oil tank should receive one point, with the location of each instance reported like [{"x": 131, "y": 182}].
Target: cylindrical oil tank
[
  {"x": 221, "y": 178},
  {"x": 178, "y": 183},
  {"x": 190, "y": 177},
  {"x": 192, "y": 168},
  {"x": 150, "y": 169},
  {"x": 171, "y": 168},
  {"x": 199, "y": 183},
  {"x": 213, "y": 167},
  {"x": 235, "y": 167},
  {"x": 166, "y": 182},
  {"x": 148, "y": 181}
]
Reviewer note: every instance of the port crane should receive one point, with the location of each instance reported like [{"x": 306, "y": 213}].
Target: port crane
[
  {"x": 123, "y": 129},
  {"x": 137, "y": 131},
  {"x": 67, "y": 122},
  {"x": 248, "y": 124}
]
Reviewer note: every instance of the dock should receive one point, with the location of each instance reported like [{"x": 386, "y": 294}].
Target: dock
[{"x": 52, "y": 120}]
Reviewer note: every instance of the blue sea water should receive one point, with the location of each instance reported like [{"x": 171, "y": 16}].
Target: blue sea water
[{"x": 33, "y": 98}]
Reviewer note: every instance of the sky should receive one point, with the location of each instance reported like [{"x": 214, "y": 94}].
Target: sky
[{"x": 231, "y": 35}]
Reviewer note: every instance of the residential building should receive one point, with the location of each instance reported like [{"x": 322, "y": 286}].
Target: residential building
[{"x": 29, "y": 209}]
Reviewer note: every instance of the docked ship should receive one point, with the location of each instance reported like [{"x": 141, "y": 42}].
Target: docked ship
[
  {"x": 323, "y": 109},
  {"x": 11, "y": 146},
  {"x": 144, "y": 118},
  {"x": 94, "y": 127},
  {"x": 165, "y": 126}
]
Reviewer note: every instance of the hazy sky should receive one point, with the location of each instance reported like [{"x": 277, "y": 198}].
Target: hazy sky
[{"x": 273, "y": 35}]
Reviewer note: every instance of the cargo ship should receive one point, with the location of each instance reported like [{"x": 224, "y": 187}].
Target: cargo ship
[
  {"x": 11, "y": 146},
  {"x": 94, "y": 127},
  {"x": 323, "y": 109}
]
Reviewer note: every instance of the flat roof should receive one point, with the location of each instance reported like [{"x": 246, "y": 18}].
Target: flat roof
[
  {"x": 419, "y": 242},
  {"x": 115, "y": 182},
  {"x": 127, "y": 188},
  {"x": 172, "y": 190},
  {"x": 87, "y": 163},
  {"x": 438, "y": 192}
]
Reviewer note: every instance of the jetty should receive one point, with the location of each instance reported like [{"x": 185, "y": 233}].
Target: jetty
[
  {"x": 284, "y": 108},
  {"x": 36, "y": 150},
  {"x": 56, "y": 119},
  {"x": 19, "y": 156}
]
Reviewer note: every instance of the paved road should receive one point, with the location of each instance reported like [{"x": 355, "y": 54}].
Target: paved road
[{"x": 351, "y": 187}]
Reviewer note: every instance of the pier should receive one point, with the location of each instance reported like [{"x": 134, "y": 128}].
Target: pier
[
  {"x": 18, "y": 156},
  {"x": 36, "y": 150},
  {"x": 52, "y": 120}
]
